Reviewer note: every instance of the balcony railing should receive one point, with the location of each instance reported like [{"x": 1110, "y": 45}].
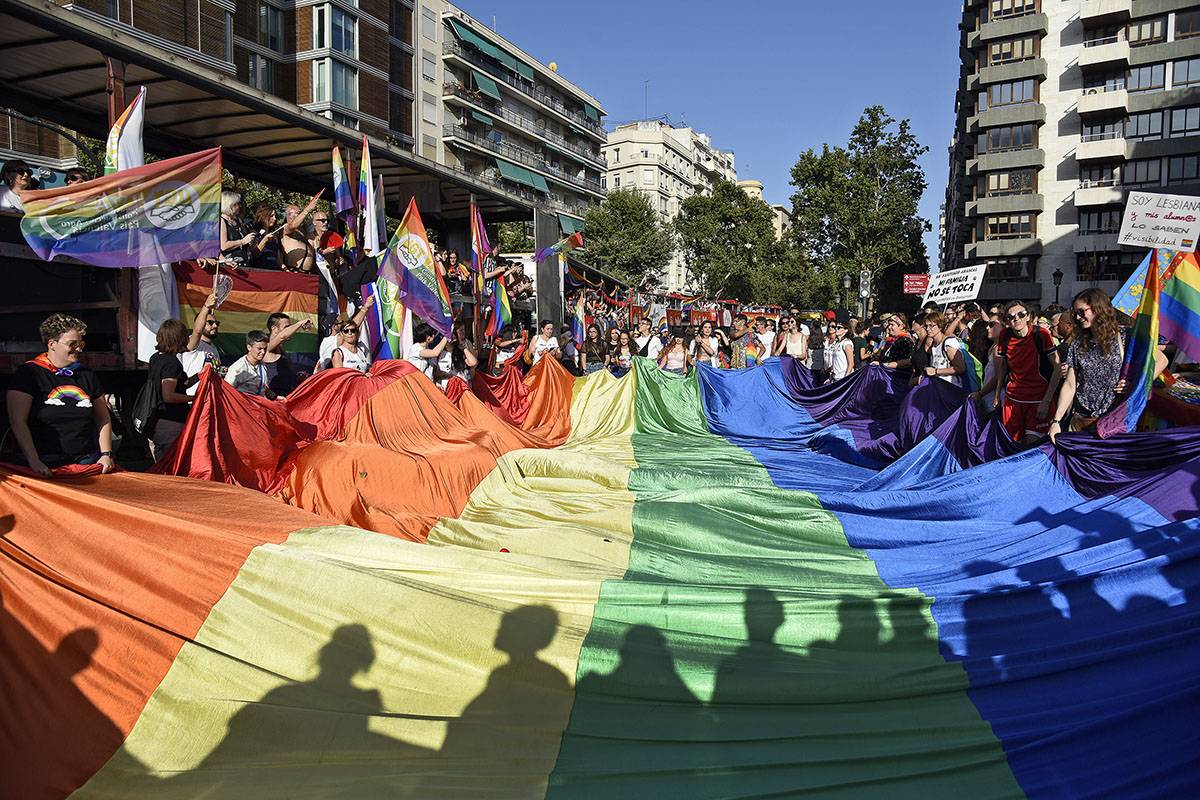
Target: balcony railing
[
  {"x": 1116, "y": 86},
  {"x": 993, "y": 237},
  {"x": 1103, "y": 41},
  {"x": 520, "y": 154},
  {"x": 527, "y": 87},
  {"x": 1102, "y": 136},
  {"x": 499, "y": 109},
  {"x": 1097, "y": 183}
]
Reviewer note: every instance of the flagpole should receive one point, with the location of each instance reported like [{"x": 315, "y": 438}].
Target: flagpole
[{"x": 476, "y": 281}]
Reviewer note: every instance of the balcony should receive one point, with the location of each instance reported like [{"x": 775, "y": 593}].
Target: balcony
[
  {"x": 1002, "y": 248},
  {"x": 1011, "y": 26},
  {"x": 1096, "y": 242},
  {"x": 1014, "y": 71},
  {"x": 1002, "y": 290},
  {"x": 1099, "y": 194},
  {"x": 1006, "y": 204},
  {"x": 1096, "y": 13},
  {"x": 1103, "y": 101},
  {"x": 531, "y": 90},
  {"x": 1101, "y": 147},
  {"x": 453, "y": 91},
  {"x": 522, "y": 156},
  {"x": 1111, "y": 52},
  {"x": 1015, "y": 114},
  {"x": 1008, "y": 159}
]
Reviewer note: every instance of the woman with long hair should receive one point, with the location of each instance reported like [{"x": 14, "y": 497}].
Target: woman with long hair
[
  {"x": 1094, "y": 357},
  {"x": 594, "y": 351},
  {"x": 674, "y": 357},
  {"x": 706, "y": 346},
  {"x": 620, "y": 360}
]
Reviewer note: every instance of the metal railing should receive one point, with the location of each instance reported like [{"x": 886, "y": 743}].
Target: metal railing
[
  {"x": 1110, "y": 87},
  {"x": 1103, "y": 41},
  {"x": 1098, "y": 183},
  {"x": 1102, "y": 136},
  {"x": 520, "y": 154},
  {"x": 528, "y": 88}
]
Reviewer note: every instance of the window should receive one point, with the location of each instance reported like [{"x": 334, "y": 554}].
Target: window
[
  {"x": 1011, "y": 50},
  {"x": 645, "y": 153},
  {"x": 320, "y": 80},
  {"x": 1183, "y": 169},
  {"x": 1147, "y": 172},
  {"x": 1014, "y": 137},
  {"x": 112, "y": 10},
  {"x": 616, "y": 152},
  {"x": 1103, "y": 220},
  {"x": 1187, "y": 24},
  {"x": 1142, "y": 127},
  {"x": 261, "y": 73},
  {"x": 1007, "y": 94},
  {"x": 1019, "y": 268},
  {"x": 1095, "y": 131},
  {"x": 1186, "y": 71},
  {"x": 1098, "y": 175},
  {"x": 1147, "y": 31},
  {"x": 616, "y": 181},
  {"x": 344, "y": 85},
  {"x": 344, "y": 119},
  {"x": 429, "y": 147},
  {"x": 270, "y": 27},
  {"x": 647, "y": 177},
  {"x": 999, "y": 9},
  {"x": 429, "y": 108},
  {"x": 429, "y": 24},
  {"x": 1104, "y": 83},
  {"x": 1185, "y": 121},
  {"x": 229, "y": 37},
  {"x": 1008, "y": 226},
  {"x": 428, "y": 66},
  {"x": 1017, "y": 181},
  {"x": 603, "y": 181},
  {"x": 320, "y": 27},
  {"x": 342, "y": 31},
  {"x": 1142, "y": 79},
  {"x": 1112, "y": 266}
]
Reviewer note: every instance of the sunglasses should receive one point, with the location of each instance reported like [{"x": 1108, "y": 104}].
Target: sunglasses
[
  {"x": 1016, "y": 316},
  {"x": 75, "y": 179},
  {"x": 26, "y": 172},
  {"x": 320, "y": 219},
  {"x": 350, "y": 329}
]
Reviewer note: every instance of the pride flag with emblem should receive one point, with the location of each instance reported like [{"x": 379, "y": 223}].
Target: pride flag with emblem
[
  {"x": 408, "y": 264},
  {"x": 154, "y": 214},
  {"x": 387, "y": 330}
]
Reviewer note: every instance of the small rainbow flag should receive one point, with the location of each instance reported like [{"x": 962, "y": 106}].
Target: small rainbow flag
[
  {"x": 579, "y": 321},
  {"x": 155, "y": 214},
  {"x": 1138, "y": 371},
  {"x": 575, "y": 240},
  {"x": 1179, "y": 309},
  {"x": 501, "y": 310},
  {"x": 343, "y": 198},
  {"x": 408, "y": 264}
]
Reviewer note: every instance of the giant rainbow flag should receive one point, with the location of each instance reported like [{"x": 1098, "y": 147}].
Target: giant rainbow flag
[{"x": 649, "y": 587}]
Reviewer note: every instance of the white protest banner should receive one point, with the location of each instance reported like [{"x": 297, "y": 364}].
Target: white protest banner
[
  {"x": 1161, "y": 220},
  {"x": 955, "y": 285}
]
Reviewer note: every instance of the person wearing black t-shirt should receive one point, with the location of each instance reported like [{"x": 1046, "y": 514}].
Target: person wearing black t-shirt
[
  {"x": 896, "y": 352},
  {"x": 168, "y": 378},
  {"x": 56, "y": 409}
]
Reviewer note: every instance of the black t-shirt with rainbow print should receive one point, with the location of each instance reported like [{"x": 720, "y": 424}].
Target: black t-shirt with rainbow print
[{"x": 61, "y": 418}]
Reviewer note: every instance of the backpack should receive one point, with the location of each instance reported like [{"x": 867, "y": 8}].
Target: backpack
[{"x": 144, "y": 414}]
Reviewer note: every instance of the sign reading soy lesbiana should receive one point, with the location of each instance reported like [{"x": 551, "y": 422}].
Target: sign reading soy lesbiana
[{"x": 1161, "y": 220}]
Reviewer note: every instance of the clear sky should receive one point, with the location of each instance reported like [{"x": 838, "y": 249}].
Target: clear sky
[{"x": 765, "y": 78}]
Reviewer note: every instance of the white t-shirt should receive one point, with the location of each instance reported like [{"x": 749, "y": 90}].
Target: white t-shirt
[
  {"x": 767, "y": 338},
  {"x": 247, "y": 378},
  {"x": 356, "y": 359},
  {"x": 9, "y": 201},
  {"x": 804, "y": 329},
  {"x": 838, "y": 357},
  {"x": 714, "y": 344},
  {"x": 653, "y": 350},
  {"x": 940, "y": 359},
  {"x": 542, "y": 346},
  {"x": 193, "y": 362},
  {"x": 414, "y": 357},
  {"x": 325, "y": 351}
]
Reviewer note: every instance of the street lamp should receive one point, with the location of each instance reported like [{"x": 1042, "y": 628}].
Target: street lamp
[
  {"x": 846, "y": 290},
  {"x": 1057, "y": 276}
]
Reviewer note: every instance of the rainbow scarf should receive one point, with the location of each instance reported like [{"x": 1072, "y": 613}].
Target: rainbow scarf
[
  {"x": 408, "y": 264},
  {"x": 1179, "y": 309},
  {"x": 1138, "y": 370},
  {"x": 572, "y": 242},
  {"x": 162, "y": 212}
]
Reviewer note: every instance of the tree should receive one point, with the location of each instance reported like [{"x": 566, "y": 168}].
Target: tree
[
  {"x": 515, "y": 237},
  {"x": 856, "y": 207},
  {"x": 624, "y": 237},
  {"x": 728, "y": 242}
]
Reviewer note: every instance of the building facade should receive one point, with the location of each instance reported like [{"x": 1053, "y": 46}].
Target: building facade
[
  {"x": 1063, "y": 106},
  {"x": 668, "y": 165},
  {"x": 781, "y": 220}
]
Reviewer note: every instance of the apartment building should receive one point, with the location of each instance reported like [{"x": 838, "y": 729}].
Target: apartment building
[
  {"x": 669, "y": 165},
  {"x": 492, "y": 110},
  {"x": 1063, "y": 106}
]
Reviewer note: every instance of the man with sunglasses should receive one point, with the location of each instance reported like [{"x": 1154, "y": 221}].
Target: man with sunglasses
[
  {"x": 200, "y": 347},
  {"x": 18, "y": 178},
  {"x": 1025, "y": 361}
]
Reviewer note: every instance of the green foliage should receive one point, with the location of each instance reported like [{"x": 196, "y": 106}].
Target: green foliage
[
  {"x": 624, "y": 237},
  {"x": 856, "y": 207},
  {"x": 515, "y": 237}
]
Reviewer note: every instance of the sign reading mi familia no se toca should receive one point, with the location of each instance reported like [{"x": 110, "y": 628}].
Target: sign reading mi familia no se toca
[{"x": 1161, "y": 220}]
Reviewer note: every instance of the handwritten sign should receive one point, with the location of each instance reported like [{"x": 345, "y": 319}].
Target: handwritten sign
[
  {"x": 955, "y": 285},
  {"x": 916, "y": 284},
  {"x": 1161, "y": 220}
]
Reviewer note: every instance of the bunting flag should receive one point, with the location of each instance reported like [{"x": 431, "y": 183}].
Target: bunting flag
[
  {"x": 371, "y": 243},
  {"x": 572, "y": 242},
  {"x": 577, "y": 278},
  {"x": 343, "y": 197},
  {"x": 123, "y": 148},
  {"x": 1138, "y": 369},
  {"x": 387, "y": 330},
  {"x": 1179, "y": 309},
  {"x": 579, "y": 320},
  {"x": 154, "y": 214},
  {"x": 408, "y": 264}
]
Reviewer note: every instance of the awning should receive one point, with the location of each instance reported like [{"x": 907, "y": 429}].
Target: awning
[
  {"x": 486, "y": 85},
  {"x": 484, "y": 118},
  {"x": 539, "y": 182},
  {"x": 569, "y": 225},
  {"x": 478, "y": 42},
  {"x": 513, "y": 173},
  {"x": 524, "y": 70},
  {"x": 582, "y": 131},
  {"x": 591, "y": 112}
]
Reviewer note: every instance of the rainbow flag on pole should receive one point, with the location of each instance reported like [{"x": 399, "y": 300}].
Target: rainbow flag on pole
[
  {"x": 387, "y": 330},
  {"x": 343, "y": 198},
  {"x": 572, "y": 242},
  {"x": 123, "y": 149},
  {"x": 1138, "y": 371},
  {"x": 158, "y": 213},
  {"x": 579, "y": 321},
  {"x": 371, "y": 243},
  {"x": 501, "y": 310},
  {"x": 408, "y": 264},
  {"x": 1179, "y": 307}
]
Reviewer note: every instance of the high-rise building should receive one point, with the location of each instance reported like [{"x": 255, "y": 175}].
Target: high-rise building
[
  {"x": 1063, "y": 106},
  {"x": 668, "y": 165},
  {"x": 490, "y": 109}
]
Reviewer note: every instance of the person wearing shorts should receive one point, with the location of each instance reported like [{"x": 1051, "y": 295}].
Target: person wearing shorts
[{"x": 1026, "y": 359}]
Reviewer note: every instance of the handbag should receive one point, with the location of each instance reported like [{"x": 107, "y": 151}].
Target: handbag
[{"x": 145, "y": 410}]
